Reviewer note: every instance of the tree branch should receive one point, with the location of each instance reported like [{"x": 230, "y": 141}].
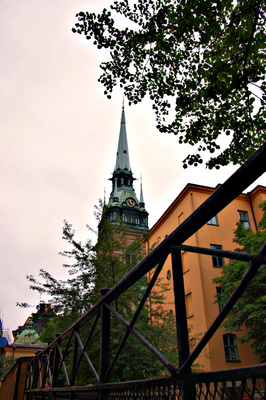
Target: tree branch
[{"x": 257, "y": 9}]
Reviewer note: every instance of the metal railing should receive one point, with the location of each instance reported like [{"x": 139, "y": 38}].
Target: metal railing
[{"x": 50, "y": 377}]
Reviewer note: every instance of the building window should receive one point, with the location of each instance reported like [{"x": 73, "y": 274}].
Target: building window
[
  {"x": 243, "y": 218},
  {"x": 131, "y": 259},
  {"x": 168, "y": 274},
  {"x": 217, "y": 261},
  {"x": 213, "y": 221},
  {"x": 230, "y": 348},
  {"x": 189, "y": 305}
]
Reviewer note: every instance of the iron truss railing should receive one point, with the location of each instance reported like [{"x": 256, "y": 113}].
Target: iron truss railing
[{"x": 48, "y": 376}]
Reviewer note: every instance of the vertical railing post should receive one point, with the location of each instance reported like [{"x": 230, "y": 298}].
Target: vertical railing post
[
  {"x": 180, "y": 308},
  {"x": 31, "y": 374},
  {"x": 27, "y": 385},
  {"x": 56, "y": 362},
  {"x": 36, "y": 371},
  {"x": 181, "y": 319},
  {"x": 43, "y": 371},
  {"x": 105, "y": 338},
  {"x": 27, "y": 380},
  {"x": 75, "y": 357},
  {"x": 17, "y": 381}
]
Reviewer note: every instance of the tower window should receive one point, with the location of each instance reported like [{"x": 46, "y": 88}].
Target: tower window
[
  {"x": 131, "y": 259},
  {"x": 243, "y": 218},
  {"x": 217, "y": 261},
  {"x": 144, "y": 221},
  {"x": 114, "y": 216},
  {"x": 230, "y": 348},
  {"x": 131, "y": 218}
]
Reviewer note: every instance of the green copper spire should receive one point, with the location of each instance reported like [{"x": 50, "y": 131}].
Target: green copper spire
[
  {"x": 123, "y": 203},
  {"x": 122, "y": 156},
  {"x": 141, "y": 199}
]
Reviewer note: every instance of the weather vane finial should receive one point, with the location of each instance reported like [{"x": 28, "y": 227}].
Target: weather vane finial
[{"x": 123, "y": 102}]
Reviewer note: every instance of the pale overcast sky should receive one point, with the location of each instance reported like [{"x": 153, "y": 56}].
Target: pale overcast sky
[{"x": 59, "y": 139}]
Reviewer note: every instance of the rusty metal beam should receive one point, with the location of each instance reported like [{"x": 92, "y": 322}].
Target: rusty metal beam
[{"x": 234, "y": 255}]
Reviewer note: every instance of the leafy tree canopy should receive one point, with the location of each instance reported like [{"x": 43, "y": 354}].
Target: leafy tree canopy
[
  {"x": 250, "y": 310},
  {"x": 201, "y": 63}
]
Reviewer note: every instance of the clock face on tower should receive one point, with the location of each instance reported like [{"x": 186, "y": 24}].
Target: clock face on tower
[{"x": 130, "y": 202}]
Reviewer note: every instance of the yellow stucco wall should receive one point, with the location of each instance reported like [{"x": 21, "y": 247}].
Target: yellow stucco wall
[
  {"x": 198, "y": 269},
  {"x": 20, "y": 351}
]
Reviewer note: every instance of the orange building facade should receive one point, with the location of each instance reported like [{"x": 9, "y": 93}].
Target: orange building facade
[{"x": 222, "y": 352}]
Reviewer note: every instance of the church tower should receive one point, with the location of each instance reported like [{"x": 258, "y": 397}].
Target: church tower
[{"x": 123, "y": 204}]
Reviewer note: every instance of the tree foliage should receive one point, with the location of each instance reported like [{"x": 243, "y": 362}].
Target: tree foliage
[
  {"x": 201, "y": 63},
  {"x": 116, "y": 256},
  {"x": 73, "y": 295},
  {"x": 103, "y": 265},
  {"x": 250, "y": 310}
]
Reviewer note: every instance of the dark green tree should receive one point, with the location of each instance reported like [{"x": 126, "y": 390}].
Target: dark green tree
[
  {"x": 93, "y": 267},
  {"x": 201, "y": 63},
  {"x": 116, "y": 256},
  {"x": 69, "y": 298},
  {"x": 74, "y": 295},
  {"x": 250, "y": 310}
]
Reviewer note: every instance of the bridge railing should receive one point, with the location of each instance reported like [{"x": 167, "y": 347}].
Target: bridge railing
[{"x": 53, "y": 372}]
